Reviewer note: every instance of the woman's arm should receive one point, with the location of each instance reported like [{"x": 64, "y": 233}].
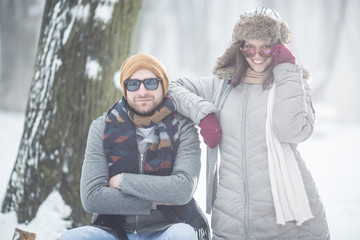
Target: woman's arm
[
  {"x": 193, "y": 96},
  {"x": 294, "y": 115}
]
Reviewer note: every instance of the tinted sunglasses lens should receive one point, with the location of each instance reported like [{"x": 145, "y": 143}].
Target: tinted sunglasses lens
[
  {"x": 249, "y": 52},
  {"x": 132, "y": 84},
  {"x": 266, "y": 52},
  {"x": 151, "y": 83}
]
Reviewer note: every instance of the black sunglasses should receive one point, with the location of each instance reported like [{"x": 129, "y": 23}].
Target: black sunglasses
[{"x": 149, "y": 83}]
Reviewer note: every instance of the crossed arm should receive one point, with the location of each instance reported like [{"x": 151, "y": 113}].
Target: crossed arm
[{"x": 138, "y": 192}]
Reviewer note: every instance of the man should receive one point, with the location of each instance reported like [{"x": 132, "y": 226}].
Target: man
[{"x": 142, "y": 164}]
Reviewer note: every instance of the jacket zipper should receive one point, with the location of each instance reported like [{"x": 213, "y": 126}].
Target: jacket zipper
[
  {"x": 141, "y": 164},
  {"x": 141, "y": 171},
  {"x": 245, "y": 180}
]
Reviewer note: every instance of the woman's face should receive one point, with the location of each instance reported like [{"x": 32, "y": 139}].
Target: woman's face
[{"x": 258, "y": 54}]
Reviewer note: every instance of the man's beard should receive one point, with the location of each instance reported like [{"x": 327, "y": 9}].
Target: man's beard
[{"x": 146, "y": 114}]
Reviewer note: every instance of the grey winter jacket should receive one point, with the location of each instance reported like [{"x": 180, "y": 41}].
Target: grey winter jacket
[
  {"x": 242, "y": 205},
  {"x": 138, "y": 192}
]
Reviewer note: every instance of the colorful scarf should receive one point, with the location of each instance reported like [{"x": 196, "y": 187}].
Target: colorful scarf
[{"x": 120, "y": 143}]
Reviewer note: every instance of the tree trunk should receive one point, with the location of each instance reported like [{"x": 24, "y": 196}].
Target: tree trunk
[{"x": 82, "y": 45}]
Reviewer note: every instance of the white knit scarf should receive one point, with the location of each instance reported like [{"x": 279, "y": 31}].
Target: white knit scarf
[{"x": 287, "y": 187}]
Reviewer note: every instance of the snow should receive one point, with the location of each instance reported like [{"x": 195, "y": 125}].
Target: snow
[
  {"x": 79, "y": 12},
  {"x": 116, "y": 79},
  {"x": 82, "y": 12},
  {"x": 69, "y": 27},
  {"x": 331, "y": 154},
  {"x": 93, "y": 69},
  {"x": 104, "y": 11}
]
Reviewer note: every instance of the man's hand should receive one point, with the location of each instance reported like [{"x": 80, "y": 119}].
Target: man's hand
[{"x": 114, "y": 181}]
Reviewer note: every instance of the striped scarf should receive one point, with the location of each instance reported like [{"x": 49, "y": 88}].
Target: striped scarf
[{"x": 120, "y": 143}]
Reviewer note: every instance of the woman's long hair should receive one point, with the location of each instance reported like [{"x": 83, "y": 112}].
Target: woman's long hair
[{"x": 241, "y": 66}]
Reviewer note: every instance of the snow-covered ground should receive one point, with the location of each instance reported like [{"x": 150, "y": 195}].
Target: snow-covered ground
[{"x": 332, "y": 155}]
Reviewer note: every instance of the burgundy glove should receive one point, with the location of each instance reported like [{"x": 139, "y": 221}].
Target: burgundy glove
[
  {"x": 282, "y": 54},
  {"x": 210, "y": 130}
]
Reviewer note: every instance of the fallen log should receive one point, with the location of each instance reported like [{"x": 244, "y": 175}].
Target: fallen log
[{"x": 23, "y": 235}]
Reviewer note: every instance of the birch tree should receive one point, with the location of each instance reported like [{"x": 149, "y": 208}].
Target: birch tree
[{"x": 82, "y": 44}]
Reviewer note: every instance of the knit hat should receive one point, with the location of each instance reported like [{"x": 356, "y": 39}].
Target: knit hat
[
  {"x": 261, "y": 24},
  {"x": 143, "y": 61}
]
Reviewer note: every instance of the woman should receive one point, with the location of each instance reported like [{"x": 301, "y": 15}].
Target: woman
[{"x": 246, "y": 195}]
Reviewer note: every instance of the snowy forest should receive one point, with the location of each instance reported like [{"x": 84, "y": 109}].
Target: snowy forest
[{"x": 59, "y": 70}]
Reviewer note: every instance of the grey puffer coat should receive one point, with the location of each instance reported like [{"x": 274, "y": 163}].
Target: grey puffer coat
[{"x": 242, "y": 205}]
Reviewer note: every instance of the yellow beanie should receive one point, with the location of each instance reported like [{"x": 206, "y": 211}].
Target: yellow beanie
[{"x": 143, "y": 61}]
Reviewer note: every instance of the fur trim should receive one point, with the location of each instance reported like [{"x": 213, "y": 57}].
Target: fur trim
[{"x": 251, "y": 26}]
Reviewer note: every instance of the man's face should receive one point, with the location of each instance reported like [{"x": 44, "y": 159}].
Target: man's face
[{"x": 144, "y": 101}]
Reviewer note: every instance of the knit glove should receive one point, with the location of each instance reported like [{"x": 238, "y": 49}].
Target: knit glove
[
  {"x": 282, "y": 55},
  {"x": 210, "y": 130}
]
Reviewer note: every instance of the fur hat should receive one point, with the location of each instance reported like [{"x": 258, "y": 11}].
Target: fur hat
[
  {"x": 143, "y": 61},
  {"x": 261, "y": 24}
]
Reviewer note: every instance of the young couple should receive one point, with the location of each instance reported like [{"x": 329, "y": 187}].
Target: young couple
[{"x": 142, "y": 160}]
